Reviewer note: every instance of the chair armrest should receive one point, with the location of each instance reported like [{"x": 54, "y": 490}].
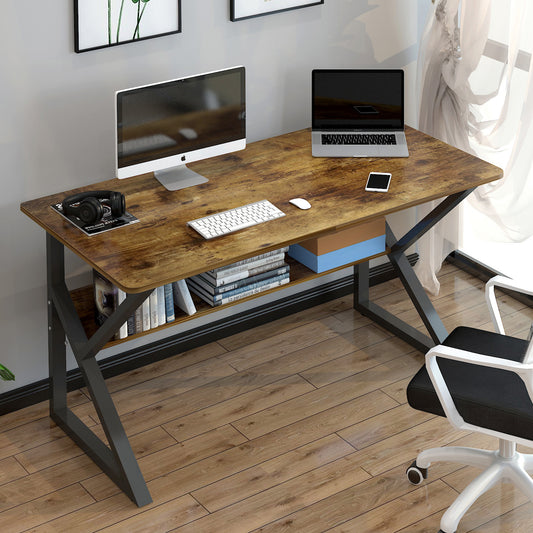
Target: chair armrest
[
  {"x": 523, "y": 286},
  {"x": 524, "y": 371}
]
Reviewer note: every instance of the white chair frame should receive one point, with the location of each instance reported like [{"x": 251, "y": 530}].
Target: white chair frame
[{"x": 503, "y": 464}]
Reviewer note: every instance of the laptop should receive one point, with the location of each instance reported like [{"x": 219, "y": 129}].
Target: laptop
[{"x": 358, "y": 113}]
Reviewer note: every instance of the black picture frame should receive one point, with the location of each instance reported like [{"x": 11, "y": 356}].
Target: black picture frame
[
  {"x": 107, "y": 23},
  {"x": 246, "y": 9}
]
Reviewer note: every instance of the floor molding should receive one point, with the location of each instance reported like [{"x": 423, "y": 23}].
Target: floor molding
[{"x": 172, "y": 345}]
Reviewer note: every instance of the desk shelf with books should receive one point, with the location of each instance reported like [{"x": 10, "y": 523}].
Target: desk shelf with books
[{"x": 83, "y": 299}]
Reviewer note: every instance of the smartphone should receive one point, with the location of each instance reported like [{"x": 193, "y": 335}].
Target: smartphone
[{"x": 378, "y": 181}]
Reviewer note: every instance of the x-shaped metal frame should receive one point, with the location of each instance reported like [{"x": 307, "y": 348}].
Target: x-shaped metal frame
[
  {"x": 412, "y": 285},
  {"x": 116, "y": 459}
]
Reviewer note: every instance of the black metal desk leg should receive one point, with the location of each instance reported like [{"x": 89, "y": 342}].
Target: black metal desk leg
[
  {"x": 412, "y": 285},
  {"x": 117, "y": 460}
]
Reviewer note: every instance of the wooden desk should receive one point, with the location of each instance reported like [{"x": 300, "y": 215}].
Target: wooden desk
[{"x": 161, "y": 248}]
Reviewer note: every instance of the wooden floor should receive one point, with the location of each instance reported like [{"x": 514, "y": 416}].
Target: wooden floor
[{"x": 300, "y": 425}]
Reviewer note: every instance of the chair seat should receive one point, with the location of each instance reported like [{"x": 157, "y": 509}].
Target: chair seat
[{"x": 486, "y": 397}]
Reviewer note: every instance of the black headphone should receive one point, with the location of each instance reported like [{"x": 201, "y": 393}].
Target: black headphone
[{"x": 90, "y": 208}]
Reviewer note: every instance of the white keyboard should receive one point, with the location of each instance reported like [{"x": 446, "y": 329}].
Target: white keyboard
[{"x": 235, "y": 219}]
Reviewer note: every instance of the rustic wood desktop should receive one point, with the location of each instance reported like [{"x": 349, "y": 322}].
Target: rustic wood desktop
[{"x": 161, "y": 248}]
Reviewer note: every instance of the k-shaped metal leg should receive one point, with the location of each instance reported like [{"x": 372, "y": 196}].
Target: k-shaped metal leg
[
  {"x": 116, "y": 460},
  {"x": 412, "y": 285}
]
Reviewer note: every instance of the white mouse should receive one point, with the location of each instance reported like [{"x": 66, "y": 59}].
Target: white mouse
[
  {"x": 302, "y": 203},
  {"x": 188, "y": 133}
]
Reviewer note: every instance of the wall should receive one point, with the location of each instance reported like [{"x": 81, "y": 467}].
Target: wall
[{"x": 56, "y": 129}]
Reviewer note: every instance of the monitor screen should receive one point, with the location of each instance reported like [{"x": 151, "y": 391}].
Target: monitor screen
[{"x": 162, "y": 126}]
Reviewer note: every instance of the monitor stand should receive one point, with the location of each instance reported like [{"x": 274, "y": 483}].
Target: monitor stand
[{"x": 180, "y": 177}]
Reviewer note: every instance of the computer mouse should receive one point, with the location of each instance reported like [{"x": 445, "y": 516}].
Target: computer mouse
[
  {"x": 302, "y": 203},
  {"x": 188, "y": 133}
]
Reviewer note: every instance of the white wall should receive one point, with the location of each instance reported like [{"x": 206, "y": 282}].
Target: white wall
[{"x": 56, "y": 111}]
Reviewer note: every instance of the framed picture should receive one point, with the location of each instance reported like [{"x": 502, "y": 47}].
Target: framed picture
[
  {"x": 244, "y": 9},
  {"x": 103, "y": 23}
]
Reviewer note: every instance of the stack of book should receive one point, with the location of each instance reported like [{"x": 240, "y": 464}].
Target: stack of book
[
  {"x": 156, "y": 310},
  {"x": 241, "y": 279}
]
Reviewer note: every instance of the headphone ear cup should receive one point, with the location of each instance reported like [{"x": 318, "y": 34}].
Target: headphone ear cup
[
  {"x": 90, "y": 210},
  {"x": 118, "y": 204}
]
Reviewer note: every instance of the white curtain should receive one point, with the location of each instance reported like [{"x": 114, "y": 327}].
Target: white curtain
[{"x": 476, "y": 120}]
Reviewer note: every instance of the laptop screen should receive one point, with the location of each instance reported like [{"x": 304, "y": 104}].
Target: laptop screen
[{"x": 357, "y": 100}]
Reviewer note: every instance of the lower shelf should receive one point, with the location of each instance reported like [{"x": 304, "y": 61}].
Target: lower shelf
[{"x": 83, "y": 301}]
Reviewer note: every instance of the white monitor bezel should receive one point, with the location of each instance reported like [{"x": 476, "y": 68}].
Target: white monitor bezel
[{"x": 182, "y": 158}]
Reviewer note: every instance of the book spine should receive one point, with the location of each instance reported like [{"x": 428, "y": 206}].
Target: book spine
[
  {"x": 153, "y": 309},
  {"x": 213, "y": 289},
  {"x": 244, "y": 294},
  {"x": 123, "y": 331},
  {"x": 131, "y": 325},
  {"x": 247, "y": 271},
  {"x": 251, "y": 292},
  {"x": 250, "y": 287},
  {"x": 161, "y": 306},
  {"x": 146, "y": 314},
  {"x": 260, "y": 257},
  {"x": 139, "y": 319},
  {"x": 169, "y": 303},
  {"x": 182, "y": 297}
]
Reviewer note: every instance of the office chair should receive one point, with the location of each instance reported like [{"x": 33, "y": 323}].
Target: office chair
[{"x": 481, "y": 381}]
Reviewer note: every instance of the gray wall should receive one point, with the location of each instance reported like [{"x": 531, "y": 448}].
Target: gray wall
[{"x": 56, "y": 111}]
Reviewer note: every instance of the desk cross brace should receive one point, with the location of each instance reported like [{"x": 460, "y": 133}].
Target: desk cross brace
[
  {"x": 117, "y": 460},
  {"x": 412, "y": 285}
]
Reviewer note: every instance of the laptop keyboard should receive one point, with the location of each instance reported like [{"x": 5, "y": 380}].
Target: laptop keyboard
[{"x": 358, "y": 138}]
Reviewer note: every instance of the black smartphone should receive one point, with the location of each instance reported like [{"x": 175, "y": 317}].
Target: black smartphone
[{"x": 378, "y": 181}]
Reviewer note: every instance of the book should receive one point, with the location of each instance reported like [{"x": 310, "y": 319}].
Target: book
[
  {"x": 279, "y": 261},
  {"x": 250, "y": 286},
  {"x": 206, "y": 282},
  {"x": 161, "y": 306},
  {"x": 247, "y": 264},
  {"x": 106, "y": 300},
  {"x": 182, "y": 297},
  {"x": 240, "y": 294},
  {"x": 153, "y": 309},
  {"x": 169, "y": 303},
  {"x": 123, "y": 331},
  {"x": 145, "y": 314}
]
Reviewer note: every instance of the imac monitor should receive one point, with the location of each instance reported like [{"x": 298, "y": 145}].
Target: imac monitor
[{"x": 163, "y": 126}]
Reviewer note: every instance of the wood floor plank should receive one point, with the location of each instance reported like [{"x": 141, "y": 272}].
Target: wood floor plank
[
  {"x": 161, "y": 518},
  {"x": 171, "y": 384},
  {"x": 382, "y": 350},
  {"x": 278, "y": 345},
  {"x": 266, "y": 331},
  {"x": 11, "y": 469},
  {"x": 344, "y": 505},
  {"x": 402, "y": 511},
  {"x": 166, "y": 366},
  {"x": 265, "y": 475},
  {"x": 383, "y": 426},
  {"x": 326, "y": 397},
  {"x": 282, "y": 499},
  {"x": 49, "y": 481},
  {"x": 44, "y": 509},
  {"x": 236, "y": 408},
  {"x": 172, "y": 458}
]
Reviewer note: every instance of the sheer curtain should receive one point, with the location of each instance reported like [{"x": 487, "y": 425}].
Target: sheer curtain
[{"x": 477, "y": 120}]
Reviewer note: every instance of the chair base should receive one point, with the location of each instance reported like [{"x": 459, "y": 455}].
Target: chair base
[{"x": 503, "y": 464}]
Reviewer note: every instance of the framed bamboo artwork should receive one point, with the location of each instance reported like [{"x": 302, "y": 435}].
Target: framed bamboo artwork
[{"x": 104, "y": 23}]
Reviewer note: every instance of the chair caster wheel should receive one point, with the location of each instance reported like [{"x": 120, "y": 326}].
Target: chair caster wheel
[{"x": 416, "y": 475}]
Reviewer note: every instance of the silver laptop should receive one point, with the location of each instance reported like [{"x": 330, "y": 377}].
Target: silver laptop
[{"x": 358, "y": 113}]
